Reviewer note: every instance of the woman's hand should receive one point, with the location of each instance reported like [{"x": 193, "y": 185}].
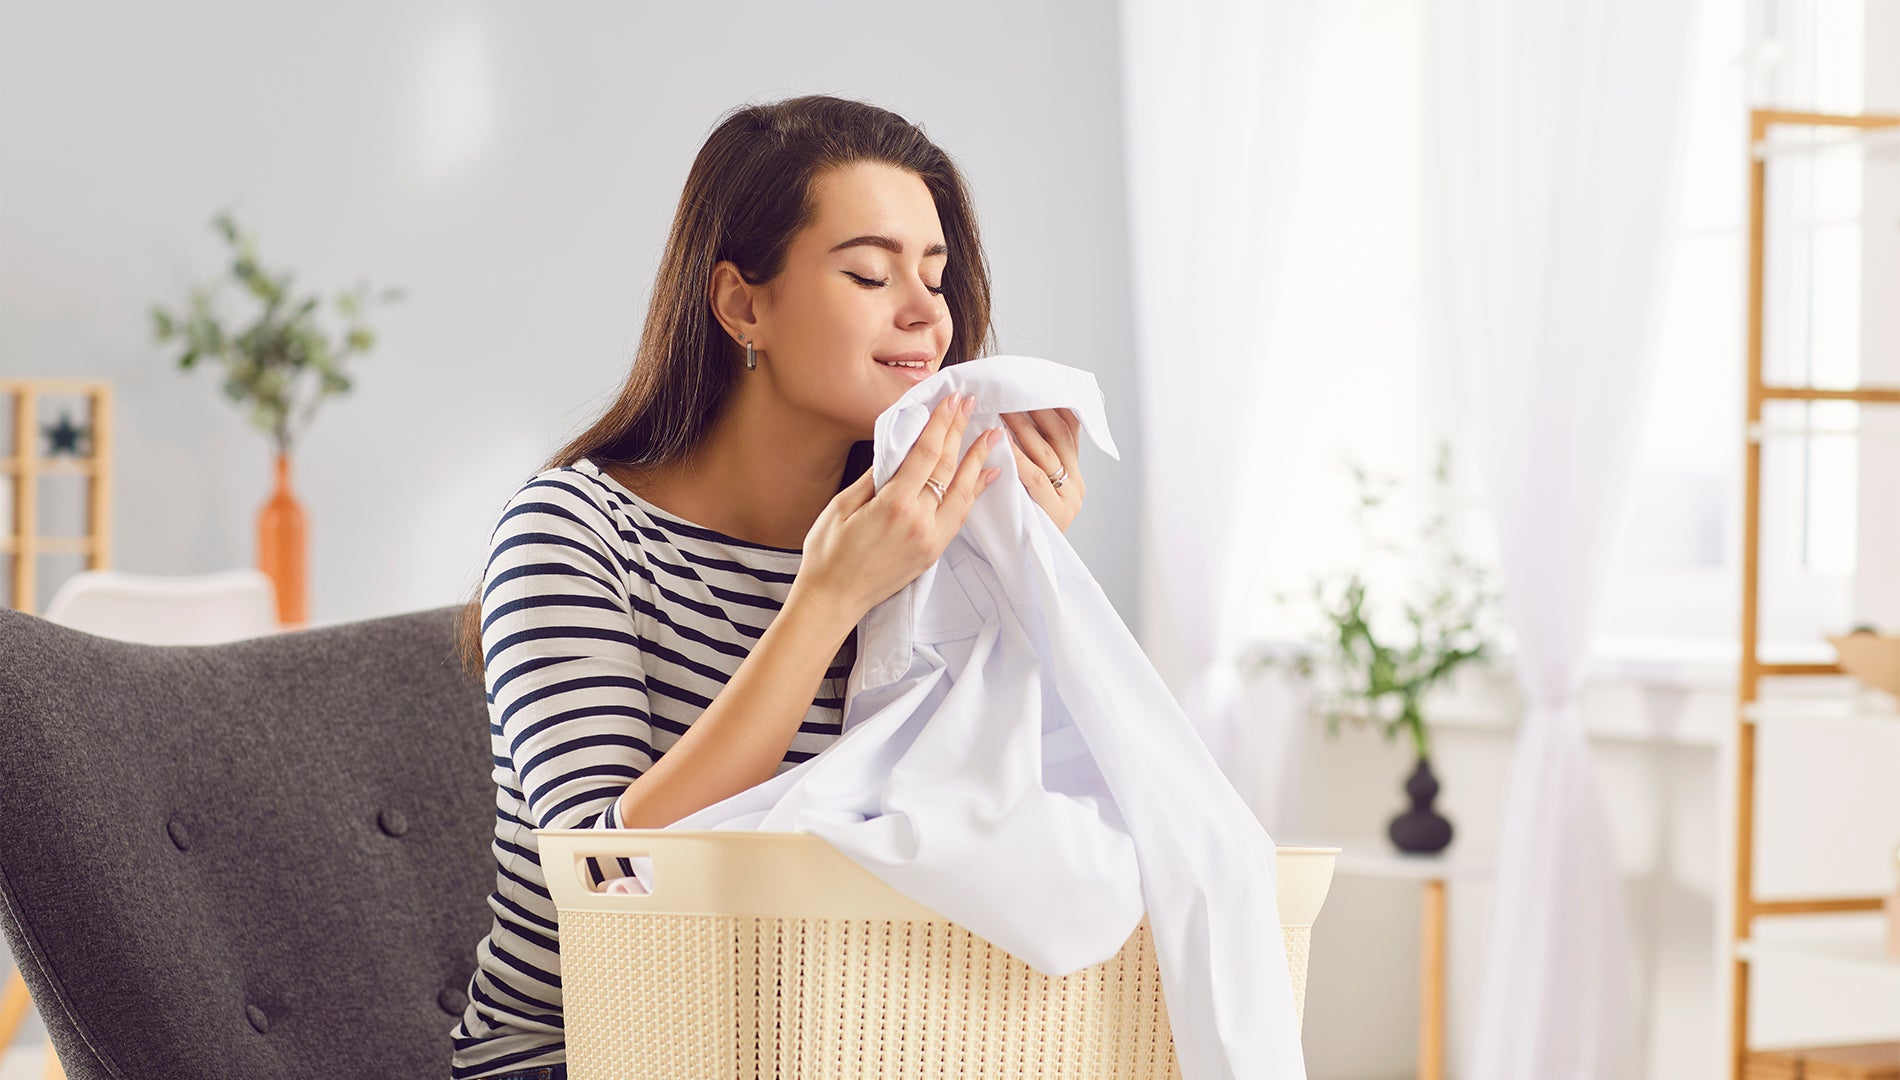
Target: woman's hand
[
  {"x": 1045, "y": 442},
  {"x": 866, "y": 544}
]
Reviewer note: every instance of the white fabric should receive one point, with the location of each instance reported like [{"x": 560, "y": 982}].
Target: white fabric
[
  {"x": 1011, "y": 760},
  {"x": 1557, "y": 124},
  {"x": 1212, "y": 95}
]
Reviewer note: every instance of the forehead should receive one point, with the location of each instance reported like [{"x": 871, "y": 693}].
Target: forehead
[{"x": 867, "y": 198}]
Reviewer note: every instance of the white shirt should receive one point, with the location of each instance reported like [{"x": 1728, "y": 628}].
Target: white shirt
[{"x": 1012, "y": 760}]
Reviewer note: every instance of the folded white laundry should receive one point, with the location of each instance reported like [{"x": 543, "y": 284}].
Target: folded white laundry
[{"x": 1012, "y": 760}]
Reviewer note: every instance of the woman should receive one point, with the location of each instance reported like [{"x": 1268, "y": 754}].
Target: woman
[{"x": 666, "y": 616}]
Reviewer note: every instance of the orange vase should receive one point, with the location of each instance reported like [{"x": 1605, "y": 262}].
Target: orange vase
[{"x": 280, "y": 547}]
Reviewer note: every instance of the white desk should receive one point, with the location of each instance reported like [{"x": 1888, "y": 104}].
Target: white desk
[{"x": 1377, "y": 858}]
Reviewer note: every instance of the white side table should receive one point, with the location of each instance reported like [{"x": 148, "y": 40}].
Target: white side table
[{"x": 1377, "y": 858}]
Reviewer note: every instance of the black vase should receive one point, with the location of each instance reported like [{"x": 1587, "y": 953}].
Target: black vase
[{"x": 1421, "y": 830}]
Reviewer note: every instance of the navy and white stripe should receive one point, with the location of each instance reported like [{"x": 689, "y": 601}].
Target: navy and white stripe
[{"x": 608, "y": 626}]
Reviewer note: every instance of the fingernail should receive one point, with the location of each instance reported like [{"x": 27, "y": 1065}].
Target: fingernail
[
  {"x": 969, "y": 402},
  {"x": 993, "y": 435}
]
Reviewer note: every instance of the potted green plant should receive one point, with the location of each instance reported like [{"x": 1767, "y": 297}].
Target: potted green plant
[
  {"x": 1364, "y": 672},
  {"x": 279, "y": 367}
]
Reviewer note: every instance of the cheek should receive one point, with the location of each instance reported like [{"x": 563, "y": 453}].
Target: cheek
[
  {"x": 827, "y": 337},
  {"x": 834, "y": 329},
  {"x": 831, "y": 374}
]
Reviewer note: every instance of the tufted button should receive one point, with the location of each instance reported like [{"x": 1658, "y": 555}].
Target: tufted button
[
  {"x": 392, "y": 822},
  {"x": 453, "y": 1001},
  {"x": 257, "y": 1018},
  {"x": 181, "y": 837}
]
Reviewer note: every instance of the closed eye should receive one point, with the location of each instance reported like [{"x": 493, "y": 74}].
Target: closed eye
[{"x": 935, "y": 289}]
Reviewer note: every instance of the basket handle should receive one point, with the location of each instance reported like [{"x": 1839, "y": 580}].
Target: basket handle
[
  {"x": 799, "y": 875},
  {"x": 721, "y": 872}
]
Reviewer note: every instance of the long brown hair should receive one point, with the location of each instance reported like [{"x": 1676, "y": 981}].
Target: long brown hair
[{"x": 747, "y": 196}]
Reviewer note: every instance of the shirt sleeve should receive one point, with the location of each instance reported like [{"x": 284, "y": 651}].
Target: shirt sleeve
[{"x": 566, "y": 686}]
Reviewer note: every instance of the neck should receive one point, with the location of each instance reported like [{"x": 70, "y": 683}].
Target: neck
[{"x": 764, "y": 473}]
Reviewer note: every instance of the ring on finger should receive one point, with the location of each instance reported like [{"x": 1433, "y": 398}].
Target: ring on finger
[
  {"x": 1060, "y": 476},
  {"x": 935, "y": 486}
]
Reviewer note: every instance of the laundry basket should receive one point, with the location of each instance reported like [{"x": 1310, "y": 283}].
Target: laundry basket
[{"x": 773, "y": 954}]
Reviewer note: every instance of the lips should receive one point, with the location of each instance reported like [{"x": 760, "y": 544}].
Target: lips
[
  {"x": 912, "y": 367},
  {"x": 906, "y": 361}
]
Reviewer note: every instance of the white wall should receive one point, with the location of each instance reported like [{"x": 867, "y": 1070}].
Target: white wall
[{"x": 514, "y": 168}]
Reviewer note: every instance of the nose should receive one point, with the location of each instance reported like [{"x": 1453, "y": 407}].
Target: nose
[{"x": 920, "y": 308}]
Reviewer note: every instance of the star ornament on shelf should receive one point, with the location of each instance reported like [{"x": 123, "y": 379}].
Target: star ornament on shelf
[{"x": 65, "y": 437}]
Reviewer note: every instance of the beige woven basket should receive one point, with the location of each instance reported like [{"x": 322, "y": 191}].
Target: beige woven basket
[{"x": 768, "y": 954}]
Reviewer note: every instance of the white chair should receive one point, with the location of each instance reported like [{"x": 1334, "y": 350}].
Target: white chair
[{"x": 198, "y": 609}]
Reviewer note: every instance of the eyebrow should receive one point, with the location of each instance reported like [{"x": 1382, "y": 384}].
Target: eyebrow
[{"x": 889, "y": 245}]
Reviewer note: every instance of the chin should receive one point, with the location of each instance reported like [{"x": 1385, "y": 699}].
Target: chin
[{"x": 857, "y": 413}]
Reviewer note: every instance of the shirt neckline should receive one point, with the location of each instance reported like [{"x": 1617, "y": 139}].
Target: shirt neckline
[{"x": 593, "y": 468}]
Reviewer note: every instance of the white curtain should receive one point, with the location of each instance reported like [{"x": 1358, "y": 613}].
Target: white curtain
[
  {"x": 1555, "y": 124},
  {"x": 1211, "y": 104}
]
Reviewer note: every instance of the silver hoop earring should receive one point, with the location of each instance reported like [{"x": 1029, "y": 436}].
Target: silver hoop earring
[{"x": 751, "y": 356}]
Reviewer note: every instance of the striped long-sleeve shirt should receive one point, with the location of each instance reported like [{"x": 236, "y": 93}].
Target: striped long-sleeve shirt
[{"x": 608, "y": 625}]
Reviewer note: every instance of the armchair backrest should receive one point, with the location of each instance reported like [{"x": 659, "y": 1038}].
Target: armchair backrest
[{"x": 258, "y": 858}]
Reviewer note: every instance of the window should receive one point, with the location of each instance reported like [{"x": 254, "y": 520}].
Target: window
[
  {"x": 1355, "y": 371},
  {"x": 1680, "y": 579}
]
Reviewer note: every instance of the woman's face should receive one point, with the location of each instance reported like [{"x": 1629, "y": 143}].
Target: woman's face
[{"x": 859, "y": 283}]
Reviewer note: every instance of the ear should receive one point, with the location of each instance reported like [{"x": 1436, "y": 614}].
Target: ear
[{"x": 733, "y": 300}]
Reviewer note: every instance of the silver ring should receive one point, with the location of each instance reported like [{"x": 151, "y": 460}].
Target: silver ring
[
  {"x": 1059, "y": 476},
  {"x": 935, "y": 486}
]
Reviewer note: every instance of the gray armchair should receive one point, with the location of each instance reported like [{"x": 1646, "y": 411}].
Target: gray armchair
[{"x": 262, "y": 858}]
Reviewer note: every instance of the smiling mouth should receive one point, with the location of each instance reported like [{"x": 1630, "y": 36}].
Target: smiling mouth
[{"x": 912, "y": 365}]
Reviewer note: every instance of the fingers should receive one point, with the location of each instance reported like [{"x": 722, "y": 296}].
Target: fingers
[
  {"x": 946, "y": 469},
  {"x": 857, "y": 492},
  {"x": 924, "y": 454},
  {"x": 1059, "y": 432},
  {"x": 1046, "y": 442},
  {"x": 970, "y": 479},
  {"x": 1059, "y": 426},
  {"x": 1030, "y": 472}
]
